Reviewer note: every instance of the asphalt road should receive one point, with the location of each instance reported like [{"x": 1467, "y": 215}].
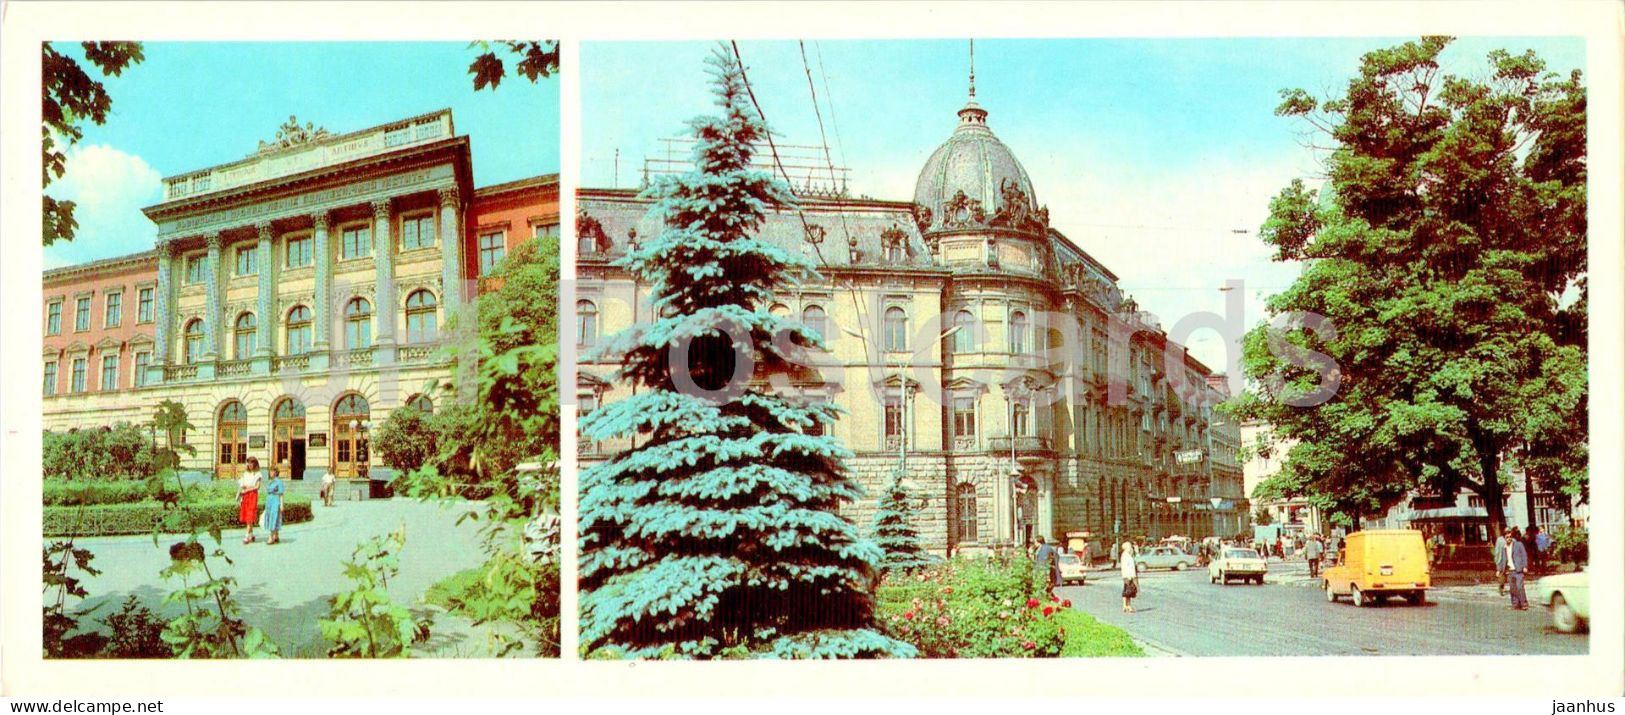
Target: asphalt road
[{"x": 1182, "y": 613}]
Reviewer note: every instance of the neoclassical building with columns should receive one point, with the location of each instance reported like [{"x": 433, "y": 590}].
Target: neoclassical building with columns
[
  {"x": 296, "y": 297},
  {"x": 974, "y": 347}
]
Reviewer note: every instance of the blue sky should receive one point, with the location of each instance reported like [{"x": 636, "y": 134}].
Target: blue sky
[
  {"x": 1148, "y": 152},
  {"x": 192, "y": 105}
]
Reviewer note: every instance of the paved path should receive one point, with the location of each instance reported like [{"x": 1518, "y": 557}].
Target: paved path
[
  {"x": 284, "y": 588},
  {"x": 1180, "y": 613}
]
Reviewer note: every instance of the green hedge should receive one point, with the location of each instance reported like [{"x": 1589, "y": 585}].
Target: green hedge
[
  {"x": 1085, "y": 637},
  {"x": 58, "y": 492},
  {"x": 142, "y": 517}
]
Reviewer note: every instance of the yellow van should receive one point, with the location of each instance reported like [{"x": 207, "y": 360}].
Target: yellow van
[{"x": 1372, "y": 565}]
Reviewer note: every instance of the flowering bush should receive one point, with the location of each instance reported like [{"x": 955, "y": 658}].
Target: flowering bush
[{"x": 974, "y": 608}]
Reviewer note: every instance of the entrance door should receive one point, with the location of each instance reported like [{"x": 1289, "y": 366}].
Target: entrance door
[
  {"x": 350, "y": 425},
  {"x": 288, "y": 438},
  {"x": 231, "y": 440}
]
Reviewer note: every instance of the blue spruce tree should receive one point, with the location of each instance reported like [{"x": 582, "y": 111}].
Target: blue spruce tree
[
  {"x": 894, "y": 532},
  {"x": 719, "y": 535}
]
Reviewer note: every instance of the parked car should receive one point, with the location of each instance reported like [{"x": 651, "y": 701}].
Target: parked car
[
  {"x": 1240, "y": 564},
  {"x": 1379, "y": 563},
  {"x": 1567, "y": 596},
  {"x": 1164, "y": 557},
  {"x": 1072, "y": 569}
]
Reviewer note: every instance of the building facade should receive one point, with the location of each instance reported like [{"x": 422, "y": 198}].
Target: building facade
[
  {"x": 973, "y": 346},
  {"x": 293, "y": 300}
]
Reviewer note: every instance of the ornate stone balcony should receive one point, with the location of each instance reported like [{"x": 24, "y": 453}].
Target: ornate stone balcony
[
  {"x": 176, "y": 373},
  {"x": 286, "y": 363},
  {"x": 415, "y": 353},
  {"x": 233, "y": 368},
  {"x": 1027, "y": 447},
  {"x": 362, "y": 357}
]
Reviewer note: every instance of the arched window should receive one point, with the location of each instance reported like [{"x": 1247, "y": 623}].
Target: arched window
[
  {"x": 421, "y": 403},
  {"x": 815, "y": 319},
  {"x": 965, "y": 515},
  {"x": 896, "y": 330},
  {"x": 965, "y": 337},
  {"x": 357, "y": 324},
  {"x": 1018, "y": 332},
  {"x": 194, "y": 341},
  {"x": 245, "y": 336},
  {"x": 779, "y": 310},
  {"x": 420, "y": 317},
  {"x": 586, "y": 323},
  {"x": 298, "y": 330}
]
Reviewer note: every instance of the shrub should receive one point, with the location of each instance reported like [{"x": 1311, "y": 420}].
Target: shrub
[
  {"x": 406, "y": 441},
  {"x": 1570, "y": 545},
  {"x": 974, "y": 608},
  {"x": 365, "y": 622},
  {"x": 137, "y": 633},
  {"x": 119, "y": 452},
  {"x": 144, "y": 517}
]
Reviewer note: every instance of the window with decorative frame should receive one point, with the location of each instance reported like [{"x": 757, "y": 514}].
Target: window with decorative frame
[
  {"x": 299, "y": 251},
  {"x": 143, "y": 360},
  {"x": 53, "y": 318},
  {"x": 965, "y": 517},
  {"x": 417, "y": 231},
  {"x": 815, "y": 319},
  {"x": 109, "y": 374},
  {"x": 145, "y": 303},
  {"x": 896, "y": 421},
  {"x": 77, "y": 384},
  {"x": 358, "y": 324},
  {"x": 50, "y": 378},
  {"x": 964, "y": 339},
  {"x": 194, "y": 269},
  {"x": 298, "y": 330},
  {"x": 81, "y": 314},
  {"x": 964, "y": 417},
  {"x": 245, "y": 336},
  {"x": 193, "y": 341},
  {"x": 1018, "y": 333},
  {"x": 355, "y": 241},
  {"x": 420, "y": 317},
  {"x": 586, "y": 323},
  {"x": 247, "y": 260},
  {"x": 895, "y": 330},
  {"x": 1020, "y": 419},
  {"x": 421, "y": 403},
  {"x": 493, "y": 248},
  {"x": 113, "y": 309}
]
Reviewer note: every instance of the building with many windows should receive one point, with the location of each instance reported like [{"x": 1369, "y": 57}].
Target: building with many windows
[
  {"x": 973, "y": 346},
  {"x": 294, "y": 297}
]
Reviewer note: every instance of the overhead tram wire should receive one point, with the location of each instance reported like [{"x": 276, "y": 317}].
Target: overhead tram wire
[{"x": 800, "y": 214}]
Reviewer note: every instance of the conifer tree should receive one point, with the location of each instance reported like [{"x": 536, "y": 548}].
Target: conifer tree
[
  {"x": 894, "y": 530},
  {"x": 719, "y": 535}
]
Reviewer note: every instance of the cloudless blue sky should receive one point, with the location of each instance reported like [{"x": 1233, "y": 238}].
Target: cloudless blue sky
[
  {"x": 192, "y": 105},
  {"x": 1148, "y": 152}
]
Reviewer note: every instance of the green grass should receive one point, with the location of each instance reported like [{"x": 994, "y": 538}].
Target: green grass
[{"x": 1089, "y": 638}]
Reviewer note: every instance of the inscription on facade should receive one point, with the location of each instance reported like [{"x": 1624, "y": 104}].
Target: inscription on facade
[{"x": 300, "y": 203}]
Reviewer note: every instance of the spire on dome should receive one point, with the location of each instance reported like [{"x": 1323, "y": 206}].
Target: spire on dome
[{"x": 972, "y": 113}]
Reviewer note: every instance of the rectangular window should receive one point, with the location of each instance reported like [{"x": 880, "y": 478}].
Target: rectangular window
[
  {"x": 109, "y": 373},
  {"x": 894, "y": 417},
  {"x": 417, "y": 232},
  {"x": 299, "y": 251},
  {"x": 142, "y": 361},
  {"x": 1019, "y": 424},
  {"x": 194, "y": 270},
  {"x": 355, "y": 242},
  {"x": 53, "y": 318},
  {"x": 81, "y": 314},
  {"x": 50, "y": 378},
  {"x": 113, "y": 310},
  {"x": 493, "y": 247},
  {"x": 964, "y": 417},
  {"x": 544, "y": 230},
  {"x": 78, "y": 384},
  {"x": 248, "y": 260},
  {"x": 144, "y": 306}
]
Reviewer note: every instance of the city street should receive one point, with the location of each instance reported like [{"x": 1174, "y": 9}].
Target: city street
[{"x": 1182, "y": 614}]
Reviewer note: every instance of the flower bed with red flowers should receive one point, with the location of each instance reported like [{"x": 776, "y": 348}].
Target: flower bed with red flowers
[{"x": 990, "y": 607}]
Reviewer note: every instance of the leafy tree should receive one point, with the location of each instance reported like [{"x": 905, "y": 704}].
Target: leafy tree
[
  {"x": 71, "y": 96},
  {"x": 533, "y": 60},
  {"x": 170, "y": 418},
  {"x": 1442, "y": 249},
  {"x": 894, "y": 532},
  {"x": 365, "y": 622},
  {"x": 62, "y": 559},
  {"x": 719, "y": 535},
  {"x": 406, "y": 440}
]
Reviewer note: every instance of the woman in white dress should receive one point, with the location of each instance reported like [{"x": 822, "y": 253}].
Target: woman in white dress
[
  {"x": 248, "y": 498},
  {"x": 1131, "y": 580}
]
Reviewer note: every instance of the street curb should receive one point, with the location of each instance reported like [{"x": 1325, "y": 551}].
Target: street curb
[
  {"x": 1154, "y": 650},
  {"x": 1445, "y": 593}
]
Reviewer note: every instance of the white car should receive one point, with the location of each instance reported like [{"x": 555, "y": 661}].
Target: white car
[
  {"x": 1072, "y": 569},
  {"x": 1239, "y": 564},
  {"x": 1567, "y": 596}
]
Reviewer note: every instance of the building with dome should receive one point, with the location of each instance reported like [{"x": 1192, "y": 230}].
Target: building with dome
[{"x": 974, "y": 347}]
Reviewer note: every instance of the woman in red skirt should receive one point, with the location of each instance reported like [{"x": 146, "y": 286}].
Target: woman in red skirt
[{"x": 248, "y": 498}]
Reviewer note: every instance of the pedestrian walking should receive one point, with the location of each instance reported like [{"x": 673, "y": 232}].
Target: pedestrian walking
[
  {"x": 1500, "y": 552},
  {"x": 1517, "y": 565},
  {"x": 1117, "y": 549},
  {"x": 1047, "y": 560},
  {"x": 1086, "y": 559},
  {"x": 1131, "y": 576},
  {"x": 1311, "y": 553},
  {"x": 273, "y": 505},
  {"x": 248, "y": 498},
  {"x": 1532, "y": 542},
  {"x": 329, "y": 485}
]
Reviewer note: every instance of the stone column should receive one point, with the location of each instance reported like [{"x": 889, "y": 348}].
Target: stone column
[
  {"x": 322, "y": 321},
  {"x": 451, "y": 247},
  {"x": 383, "y": 260},
  {"x": 163, "y": 296},
  {"x": 267, "y": 318},
  {"x": 211, "y": 290}
]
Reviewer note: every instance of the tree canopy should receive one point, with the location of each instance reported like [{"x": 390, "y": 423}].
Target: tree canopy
[
  {"x": 533, "y": 60},
  {"x": 72, "y": 96},
  {"x": 1446, "y": 254}
]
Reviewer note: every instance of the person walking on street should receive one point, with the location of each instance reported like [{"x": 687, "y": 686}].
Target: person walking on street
[
  {"x": 1116, "y": 550},
  {"x": 273, "y": 505},
  {"x": 1131, "y": 575},
  {"x": 1311, "y": 553},
  {"x": 329, "y": 485},
  {"x": 1532, "y": 543},
  {"x": 248, "y": 498},
  {"x": 1517, "y": 565},
  {"x": 1047, "y": 559},
  {"x": 1500, "y": 551}
]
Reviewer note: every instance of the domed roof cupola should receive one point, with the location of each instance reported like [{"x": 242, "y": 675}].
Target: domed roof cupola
[{"x": 974, "y": 181}]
